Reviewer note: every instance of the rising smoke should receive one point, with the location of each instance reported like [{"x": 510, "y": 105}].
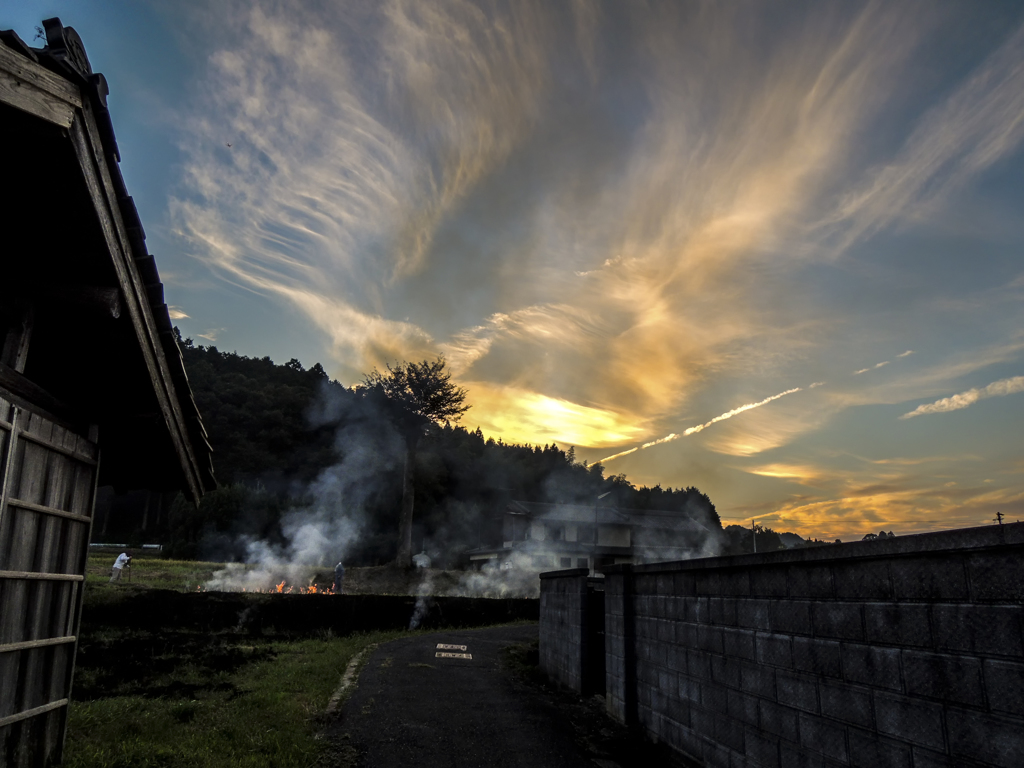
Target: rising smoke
[
  {"x": 348, "y": 502},
  {"x": 328, "y": 522}
]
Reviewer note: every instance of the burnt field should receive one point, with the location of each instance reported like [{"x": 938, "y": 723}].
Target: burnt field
[
  {"x": 134, "y": 644},
  {"x": 296, "y": 615},
  {"x": 167, "y": 678}
]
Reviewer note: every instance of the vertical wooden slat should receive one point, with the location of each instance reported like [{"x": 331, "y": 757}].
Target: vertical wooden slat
[
  {"x": 5, "y": 482},
  {"x": 30, "y": 692},
  {"x": 9, "y": 662},
  {"x": 29, "y": 482},
  {"x": 60, "y": 484},
  {"x": 8, "y": 681},
  {"x": 22, "y": 534},
  {"x": 71, "y": 589},
  {"x": 82, "y": 503},
  {"x": 14, "y": 597},
  {"x": 79, "y": 594},
  {"x": 54, "y": 531}
]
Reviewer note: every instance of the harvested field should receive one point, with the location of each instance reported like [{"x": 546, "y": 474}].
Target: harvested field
[
  {"x": 292, "y": 616},
  {"x": 175, "y": 677},
  {"x": 150, "y": 571}
]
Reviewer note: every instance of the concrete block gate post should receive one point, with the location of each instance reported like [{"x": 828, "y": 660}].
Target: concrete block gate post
[
  {"x": 563, "y": 627},
  {"x": 620, "y": 644}
]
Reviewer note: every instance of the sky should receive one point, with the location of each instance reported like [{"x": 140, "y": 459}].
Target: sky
[{"x": 773, "y": 250}]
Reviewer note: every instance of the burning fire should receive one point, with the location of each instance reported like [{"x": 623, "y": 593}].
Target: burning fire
[{"x": 282, "y": 589}]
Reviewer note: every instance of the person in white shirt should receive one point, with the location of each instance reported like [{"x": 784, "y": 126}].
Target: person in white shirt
[{"x": 122, "y": 561}]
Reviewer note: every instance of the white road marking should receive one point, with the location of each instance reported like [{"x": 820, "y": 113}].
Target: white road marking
[
  {"x": 444, "y": 647},
  {"x": 446, "y": 655}
]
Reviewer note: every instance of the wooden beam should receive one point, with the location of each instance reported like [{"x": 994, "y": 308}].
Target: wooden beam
[
  {"x": 12, "y": 450},
  {"x": 95, "y": 300},
  {"x": 27, "y": 394},
  {"x": 71, "y": 453},
  {"x": 47, "y": 510},
  {"x": 40, "y": 77},
  {"x": 19, "y": 334},
  {"x": 35, "y": 576},
  {"x": 4, "y": 721},
  {"x": 32, "y": 88},
  {"x": 30, "y": 644},
  {"x": 89, "y": 149}
]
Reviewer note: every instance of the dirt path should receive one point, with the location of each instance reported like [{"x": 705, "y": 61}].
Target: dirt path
[{"x": 412, "y": 707}]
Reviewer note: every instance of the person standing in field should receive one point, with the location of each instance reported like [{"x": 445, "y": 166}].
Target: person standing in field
[
  {"x": 339, "y": 574},
  {"x": 122, "y": 561}
]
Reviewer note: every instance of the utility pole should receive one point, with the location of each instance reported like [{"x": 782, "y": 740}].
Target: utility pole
[
  {"x": 999, "y": 517},
  {"x": 753, "y": 534}
]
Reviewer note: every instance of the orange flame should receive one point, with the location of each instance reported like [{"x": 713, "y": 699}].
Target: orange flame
[{"x": 282, "y": 589}]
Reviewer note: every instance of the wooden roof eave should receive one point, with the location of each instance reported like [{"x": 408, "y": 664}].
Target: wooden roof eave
[
  {"x": 96, "y": 172},
  {"x": 73, "y": 106},
  {"x": 32, "y": 88}
]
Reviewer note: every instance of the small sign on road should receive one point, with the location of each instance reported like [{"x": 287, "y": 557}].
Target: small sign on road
[
  {"x": 447, "y": 655},
  {"x": 444, "y": 647}
]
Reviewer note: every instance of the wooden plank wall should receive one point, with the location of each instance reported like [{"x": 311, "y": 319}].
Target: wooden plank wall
[{"x": 46, "y": 506}]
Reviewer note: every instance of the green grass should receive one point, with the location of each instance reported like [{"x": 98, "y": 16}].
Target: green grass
[
  {"x": 255, "y": 714},
  {"x": 150, "y": 571}
]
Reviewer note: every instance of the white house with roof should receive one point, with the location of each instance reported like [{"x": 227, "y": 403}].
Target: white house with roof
[{"x": 548, "y": 536}]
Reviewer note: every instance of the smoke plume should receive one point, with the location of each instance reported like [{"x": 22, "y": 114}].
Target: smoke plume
[{"x": 329, "y": 518}]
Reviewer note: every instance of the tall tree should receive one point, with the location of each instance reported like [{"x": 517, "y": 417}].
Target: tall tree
[{"x": 419, "y": 395}]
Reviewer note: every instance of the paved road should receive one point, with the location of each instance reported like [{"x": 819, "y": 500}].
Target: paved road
[{"x": 414, "y": 708}]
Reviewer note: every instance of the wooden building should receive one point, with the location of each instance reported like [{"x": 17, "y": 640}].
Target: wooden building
[{"x": 88, "y": 362}]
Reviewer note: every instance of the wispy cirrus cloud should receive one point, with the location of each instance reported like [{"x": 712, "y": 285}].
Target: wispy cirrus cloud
[
  {"x": 211, "y": 334},
  {"x": 594, "y": 211},
  {"x": 345, "y": 153},
  {"x": 969, "y": 397},
  {"x": 977, "y": 125},
  {"x": 874, "y": 367},
  {"x": 901, "y": 494}
]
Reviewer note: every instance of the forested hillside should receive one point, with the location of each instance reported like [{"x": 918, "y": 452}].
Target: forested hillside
[
  {"x": 281, "y": 434},
  {"x": 256, "y": 414}
]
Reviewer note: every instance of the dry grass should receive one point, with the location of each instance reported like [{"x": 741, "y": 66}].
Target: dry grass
[
  {"x": 150, "y": 571},
  {"x": 216, "y": 701}
]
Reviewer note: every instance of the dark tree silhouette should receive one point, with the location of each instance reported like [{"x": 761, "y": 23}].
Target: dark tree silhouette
[
  {"x": 418, "y": 396},
  {"x": 275, "y": 428}
]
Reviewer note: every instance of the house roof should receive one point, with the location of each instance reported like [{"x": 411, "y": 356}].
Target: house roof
[{"x": 102, "y": 347}]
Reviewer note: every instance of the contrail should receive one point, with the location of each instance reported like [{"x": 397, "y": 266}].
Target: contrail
[
  {"x": 942, "y": 405},
  {"x": 693, "y": 430},
  {"x": 617, "y": 455},
  {"x": 964, "y": 399}
]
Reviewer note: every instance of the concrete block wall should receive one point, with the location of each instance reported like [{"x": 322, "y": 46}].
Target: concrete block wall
[
  {"x": 563, "y": 605},
  {"x": 904, "y": 652}
]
